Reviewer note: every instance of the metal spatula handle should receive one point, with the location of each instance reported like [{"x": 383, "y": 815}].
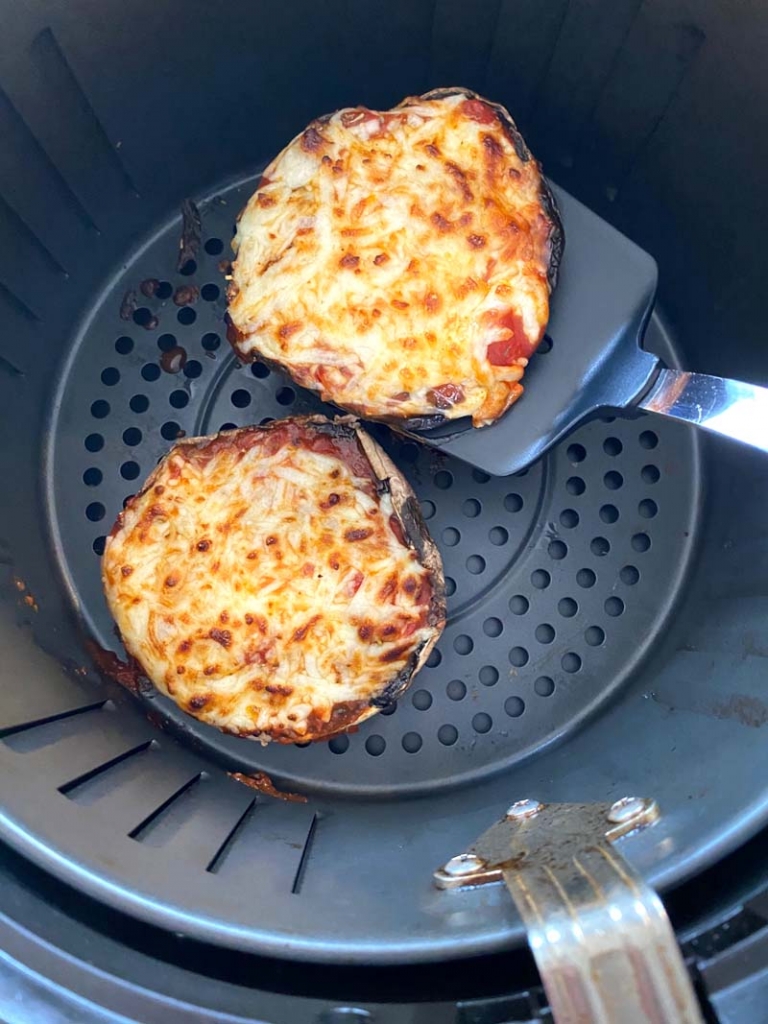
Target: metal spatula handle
[{"x": 728, "y": 407}]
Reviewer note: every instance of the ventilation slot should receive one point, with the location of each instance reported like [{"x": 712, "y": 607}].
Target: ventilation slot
[
  {"x": 151, "y": 818},
  {"x": 301, "y": 870},
  {"x": 68, "y": 788},
  {"x": 219, "y": 857},
  {"x": 72, "y": 131},
  {"x": 17, "y": 305},
  {"x": 12, "y": 730},
  {"x": 40, "y": 193}
]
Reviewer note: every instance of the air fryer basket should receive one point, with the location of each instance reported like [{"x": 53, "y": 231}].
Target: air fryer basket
[{"x": 605, "y": 606}]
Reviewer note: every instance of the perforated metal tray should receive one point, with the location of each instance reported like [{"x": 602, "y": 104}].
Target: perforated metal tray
[{"x": 560, "y": 581}]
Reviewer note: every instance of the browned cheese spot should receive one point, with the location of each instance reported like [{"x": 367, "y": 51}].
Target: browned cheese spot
[
  {"x": 311, "y": 140},
  {"x": 492, "y": 147},
  {"x": 301, "y": 632},
  {"x": 279, "y": 688},
  {"x": 395, "y": 654},
  {"x": 461, "y": 180},
  {"x": 221, "y": 636},
  {"x": 357, "y": 534},
  {"x": 441, "y": 223},
  {"x": 286, "y": 330}
]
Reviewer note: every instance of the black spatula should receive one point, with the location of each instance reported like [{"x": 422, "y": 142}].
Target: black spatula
[{"x": 599, "y": 313}]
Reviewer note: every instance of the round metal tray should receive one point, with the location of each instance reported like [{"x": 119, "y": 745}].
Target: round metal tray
[{"x": 561, "y": 580}]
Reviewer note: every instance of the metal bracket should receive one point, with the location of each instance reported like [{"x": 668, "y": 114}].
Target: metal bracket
[{"x": 601, "y": 938}]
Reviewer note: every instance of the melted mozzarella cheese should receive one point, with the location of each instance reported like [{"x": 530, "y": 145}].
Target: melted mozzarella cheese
[
  {"x": 264, "y": 587},
  {"x": 398, "y": 262}
]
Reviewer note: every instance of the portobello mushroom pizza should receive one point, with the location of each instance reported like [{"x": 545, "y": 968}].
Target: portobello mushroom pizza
[
  {"x": 277, "y": 582},
  {"x": 400, "y": 262}
]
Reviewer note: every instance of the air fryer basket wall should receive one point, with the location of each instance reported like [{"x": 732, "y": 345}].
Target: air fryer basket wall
[{"x": 602, "y": 581}]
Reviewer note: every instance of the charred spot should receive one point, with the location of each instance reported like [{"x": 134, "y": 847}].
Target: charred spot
[
  {"x": 330, "y": 501},
  {"x": 441, "y": 223},
  {"x": 180, "y": 670},
  {"x": 326, "y": 159},
  {"x": 198, "y": 703},
  {"x": 159, "y": 489},
  {"x": 388, "y": 632},
  {"x": 278, "y": 688},
  {"x": 432, "y": 302},
  {"x": 224, "y": 618},
  {"x": 248, "y": 619},
  {"x": 432, "y": 149},
  {"x": 381, "y": 258},
  {"x": 251, "y": 555},
  {"x": 184, "y": 646},
  {"x": 311, "y": 140},
  {"x": 410, "y": 585},
  {"x": 203, "y": 545},
  {"x": 172, "y": 580},
  {"x": 264, "y": 201},
  {"x": 477, "y": 241},
  {"x": 390, "y": 585},
  {"x": 334, "y": 562},
  {"x": 365, "y": 631},
  {"x": 349, "y": 261},
  {"x": 286, "y": 330},
  {"x": 514, "y": 173},
  {"x": 395, "y": 654},
  {"x": 209, "y": 670},
  {"x": 126, "y": 570},
  {"x": 357, "y": 534},
  {"x": 221, "y": 636}
]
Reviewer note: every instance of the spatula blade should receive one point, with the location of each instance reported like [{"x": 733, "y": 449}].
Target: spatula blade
[{"x": 599, "y": 311}]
